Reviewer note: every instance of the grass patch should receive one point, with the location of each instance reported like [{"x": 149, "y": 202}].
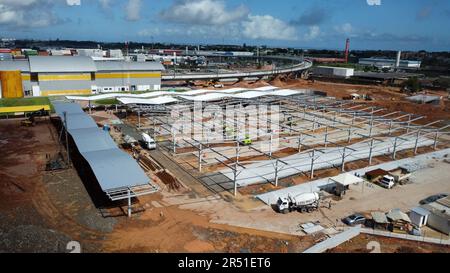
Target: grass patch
[
  {"x": 24, "y": 101},
  {"x": 106, "y": 101}
]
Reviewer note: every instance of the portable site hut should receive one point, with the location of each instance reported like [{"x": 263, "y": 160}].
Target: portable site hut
[
  {"x": 399, "y": 221},
  {"x": 343, "y": 182},
  {"x": 439, "y": 218},
  {"x": 379, "y": 220},
  {"x": 419, "y": 216}
]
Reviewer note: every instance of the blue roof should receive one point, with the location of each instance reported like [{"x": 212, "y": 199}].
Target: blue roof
[{"x": 113, "y": 168}]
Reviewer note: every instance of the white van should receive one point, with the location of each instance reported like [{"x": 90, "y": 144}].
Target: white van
[
  {"x": 387, "y": 181},
  {"x": 149, "y": 142}
]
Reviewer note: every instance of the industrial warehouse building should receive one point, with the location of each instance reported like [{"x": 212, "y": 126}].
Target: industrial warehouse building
[
  {"x": 389, "y": 63},
  {"x": 67, "y": 75}
]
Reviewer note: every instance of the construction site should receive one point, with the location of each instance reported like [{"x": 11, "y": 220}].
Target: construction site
[{"x": 204, "y": 170}]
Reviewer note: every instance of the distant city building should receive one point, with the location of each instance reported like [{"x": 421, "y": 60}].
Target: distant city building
[
  {"x": 64, "y": 75},
  {"x": 7, "y": 42},
  {"x": 389, "y": 63}
]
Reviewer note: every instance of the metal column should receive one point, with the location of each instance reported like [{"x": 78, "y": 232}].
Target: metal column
[
  {"x": 343, "y": 160},
  {"x": 312, "y": 163},
  {"x": 67, "y": 139},
  {"x": 370, "y": 151},
  {"x": 129, "y": 202}
]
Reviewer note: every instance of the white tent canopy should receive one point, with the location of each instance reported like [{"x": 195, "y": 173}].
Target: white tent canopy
[{"x": 346, "y": 179}]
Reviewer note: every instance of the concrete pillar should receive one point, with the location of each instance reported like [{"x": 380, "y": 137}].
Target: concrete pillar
[
  {"x": 349, "y": 138},
  {"x": 436, "y": 136},
  {"x": 312, "y": 163},
  {"x": 300, "y": 142},
  {"x": 200, "y": 158},
  {"x": 174, "y": 145},
  {"x": 270, "y": 145},
  {"x": 370, "y": 151},
  {"x": 371, "y": 127},
  {"x": 139, "y": 119},
  {"x": 314, "y": 124},
  {"x": 343, "y": 160},
  {"x": 276, "y": 173}
]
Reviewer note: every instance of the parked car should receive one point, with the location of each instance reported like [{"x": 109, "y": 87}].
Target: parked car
[
  {"x": 354, "y": 219},
  {"x": 433, "y": 198}
]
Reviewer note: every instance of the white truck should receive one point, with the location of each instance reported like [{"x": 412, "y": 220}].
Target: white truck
[
  {"x": 387, "y": 181},
  {"x": 149, "y": 143},
  {"x": 305, "y": 202}
]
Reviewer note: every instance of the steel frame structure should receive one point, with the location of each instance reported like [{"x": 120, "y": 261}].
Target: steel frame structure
[{"x": 316, "y": 112}]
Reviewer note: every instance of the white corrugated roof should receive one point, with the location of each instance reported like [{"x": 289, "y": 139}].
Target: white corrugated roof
[
  {"x": 206, "y": 97},
  {"x": 265, "y": 88},
  {"x": 154, "y": 101},
  {"x": 55, "y": 64},
  {"x": 128, "y": 66}
]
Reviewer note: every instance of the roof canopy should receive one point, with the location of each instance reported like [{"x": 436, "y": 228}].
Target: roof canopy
[
  {"x": 379, "y": 217},
  {"x": 113, "y": 168},
  {"x": 346, "y": 179},
  {"x": 398, "y": 215}
]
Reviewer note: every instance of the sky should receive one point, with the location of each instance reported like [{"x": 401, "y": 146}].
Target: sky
[{"x": 321, "y": 24}]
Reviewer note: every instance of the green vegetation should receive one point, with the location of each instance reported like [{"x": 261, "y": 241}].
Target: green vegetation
[
  {"x": 412, "y": 85},
  {"x": 111, "y": 101},
  {"x": 24, "y": 101}
]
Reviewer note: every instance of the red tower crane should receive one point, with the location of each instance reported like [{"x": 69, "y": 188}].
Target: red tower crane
[{"x": 347, "y": 49}]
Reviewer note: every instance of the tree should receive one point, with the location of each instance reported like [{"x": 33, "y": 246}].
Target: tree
[{"x": 412, "y": 85}]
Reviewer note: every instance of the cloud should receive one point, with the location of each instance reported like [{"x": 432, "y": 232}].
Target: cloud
[
  {"x": 373, "y": 2},
  {"x": 345, "y": 28},
  {"x": 315, "y": 16},
  {"x": 105, "y": 4},
  {"x": 73, "y": 2},
  {"x": 28, "y": 13},
  {"x": 268, "y": 27},
  {"x": 203, "y": 12},
  {"x": 313, "y": 33},
  {"x": 133, "y": 10}
]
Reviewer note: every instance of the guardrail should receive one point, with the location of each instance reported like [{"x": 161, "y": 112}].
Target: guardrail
[
  {"x": 409, "y": 237},
  {"x": 212, "y": 76}
]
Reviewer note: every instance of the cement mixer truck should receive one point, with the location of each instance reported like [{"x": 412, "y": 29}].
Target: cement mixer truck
[{"x": 304, "y": 202}]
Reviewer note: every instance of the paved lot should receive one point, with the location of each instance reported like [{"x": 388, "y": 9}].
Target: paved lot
[{"x": 254, "y": 214}]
